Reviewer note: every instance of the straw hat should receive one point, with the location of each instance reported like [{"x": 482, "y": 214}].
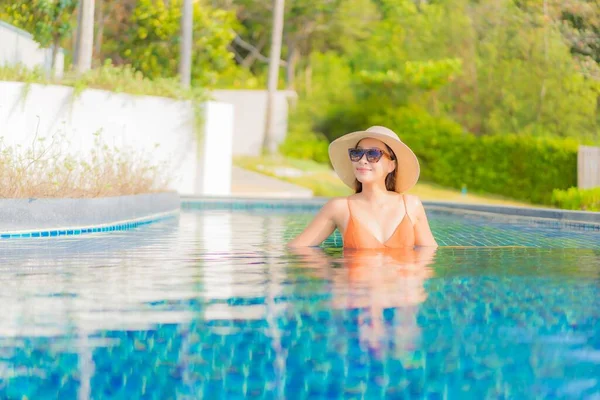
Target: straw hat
[{"x": 407, "y": 163}]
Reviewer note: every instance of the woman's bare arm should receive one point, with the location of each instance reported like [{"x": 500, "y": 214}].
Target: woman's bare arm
[
  {"x": 320, "y": 227},
  {"x": 423, "y": 235}
]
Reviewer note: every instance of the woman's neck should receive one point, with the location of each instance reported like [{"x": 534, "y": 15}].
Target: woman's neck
[{"x": 375, "y": 192}]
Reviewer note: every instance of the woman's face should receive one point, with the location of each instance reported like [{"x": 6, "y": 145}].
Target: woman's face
[{"x": 371, "y": 172}]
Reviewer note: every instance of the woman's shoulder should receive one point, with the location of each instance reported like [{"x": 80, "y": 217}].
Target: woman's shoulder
[
  {"x": 335, "y": 209},
  {"x": 412, "y": 200},
  {"x": 336, "y": 203},
  {"x": 414, "y": 205}
]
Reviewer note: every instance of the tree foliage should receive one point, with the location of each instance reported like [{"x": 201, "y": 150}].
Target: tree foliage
[
  {"x": 49, "y": 21},
  {"x": 146, "y": 34},
  {"x": 494, "y": 73},
  {"x": 528, "y": 67}
]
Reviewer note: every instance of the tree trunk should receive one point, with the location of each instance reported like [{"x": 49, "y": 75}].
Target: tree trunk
[
  {"x": 308, "y": 79},
  {"x": 77, "y": 38},
  {"x": 473, "y": 73},
  {"x": 185, "y": 59},
  {"x": 291, "y": 65},
  {"x": 543, "y": 88},
  {"x": 85, "y": 43},
  {"x": 97, "y": 55},
  {"x": 55, "y": 47},
  {"x": 269, "y": 144}
]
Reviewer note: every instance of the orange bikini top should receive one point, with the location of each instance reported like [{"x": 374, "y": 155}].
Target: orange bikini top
[{"x": 357, "y": 237}]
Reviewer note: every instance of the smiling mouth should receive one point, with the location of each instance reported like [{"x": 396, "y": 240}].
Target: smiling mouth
[{"x": 362, "y": 169}]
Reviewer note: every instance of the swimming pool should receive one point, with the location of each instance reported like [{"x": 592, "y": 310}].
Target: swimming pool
[{"x": 211, "y": 305}]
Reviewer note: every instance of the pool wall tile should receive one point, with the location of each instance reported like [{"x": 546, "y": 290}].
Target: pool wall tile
[
  {"x": 451, "y": 226},
  {"x": 49, "y": 214},
  {"x": 21, "y": 218},
  {"x": 120, "y": 226},
  {"x": 531, "y": 215}
]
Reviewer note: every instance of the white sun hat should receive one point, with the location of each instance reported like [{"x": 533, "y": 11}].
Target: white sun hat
[{"x": 407, "y": 163}]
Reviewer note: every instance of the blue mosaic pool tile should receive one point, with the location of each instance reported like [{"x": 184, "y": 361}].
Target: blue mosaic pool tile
[
  {"x": 496, "y": 323},
  {"x": 67, "y": 232},
  {"x": 454, "y": 229},
  {"x": 533, "y": 215},
  {"x": 451, "y": 227},
  {"x": 308, "y": 205}
]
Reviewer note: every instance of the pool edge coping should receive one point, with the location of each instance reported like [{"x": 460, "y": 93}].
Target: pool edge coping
[
  {"x": 71, "y": 216},
  {"x": 532, "y": 214},
  {"x": 538, "y": 213}
]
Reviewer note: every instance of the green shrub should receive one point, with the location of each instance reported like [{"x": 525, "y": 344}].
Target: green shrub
[
  {"x": 577, "y": 199},
  {"x": 321, "y": 97},
  {"x": 107, "y": 77},
  {"x": 522, "y": 167},
  {"x": 309, "y": 136},
  {"x": 518, "y": 166},
  {"x": 301, "y": 142},
  {"x": 308, "y": 146},
  {"x": 346, "y": 118}
]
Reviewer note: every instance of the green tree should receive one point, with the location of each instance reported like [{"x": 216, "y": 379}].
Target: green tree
[
  {"x": 310, "y": 26},
  {"x": 148, "y": 38},
  {"x": 579, "y": 24},
  {"x": 49, "y": 21},
  {"x": 526, "y": 79}
]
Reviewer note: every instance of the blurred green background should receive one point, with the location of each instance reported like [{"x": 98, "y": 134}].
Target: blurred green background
[{"x": 494, "y": 96}]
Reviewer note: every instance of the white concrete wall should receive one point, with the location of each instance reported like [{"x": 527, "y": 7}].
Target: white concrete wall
[
  {"x": 156, "y": 126},
  {"x": 18, "y": 47},
  {"x": 250, "y": 114}
]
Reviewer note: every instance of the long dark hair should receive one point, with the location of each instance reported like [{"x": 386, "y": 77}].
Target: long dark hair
[{"x": 390, "y": 179}]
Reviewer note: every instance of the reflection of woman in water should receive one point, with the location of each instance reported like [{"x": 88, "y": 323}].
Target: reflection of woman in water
[
  {"x": 380, "y": 168},
  {"x": 372, "y": 281}
]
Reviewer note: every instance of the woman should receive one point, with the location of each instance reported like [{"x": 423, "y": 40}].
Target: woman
[{"x": 380, "y": 168}]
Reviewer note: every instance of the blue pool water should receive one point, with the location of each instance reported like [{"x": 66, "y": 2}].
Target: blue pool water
[{"x": 211, "y": 305}]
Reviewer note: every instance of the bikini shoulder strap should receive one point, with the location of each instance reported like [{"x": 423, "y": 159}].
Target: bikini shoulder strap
[
  {"x": 406, "y": 209},
  {"x": 349, "y": 211}
]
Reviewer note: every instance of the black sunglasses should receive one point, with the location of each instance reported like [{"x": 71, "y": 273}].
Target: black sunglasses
[{"x": 373, "y": 155}]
